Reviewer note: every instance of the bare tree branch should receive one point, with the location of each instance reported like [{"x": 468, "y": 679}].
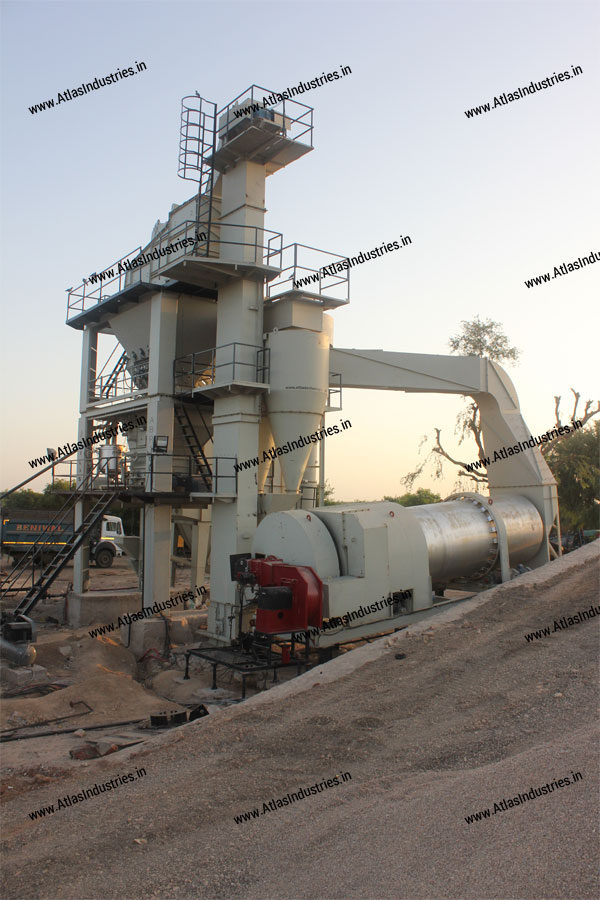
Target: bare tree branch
[
  {"x": 576, "y": 395},
  {"x": 475, "y": 426},
  {"x": 589, "y": 413},
  {"x": 409, "y": 479},
  {"x": 440, "y": 450},
  {"x": 557, "y": 411}
]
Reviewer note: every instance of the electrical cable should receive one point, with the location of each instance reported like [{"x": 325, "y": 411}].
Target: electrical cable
[
  {"x": 43, "y": 689},
  {"x": 157, "y": 656}
]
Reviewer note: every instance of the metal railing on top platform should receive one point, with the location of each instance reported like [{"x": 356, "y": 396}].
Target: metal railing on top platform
[
  {"x": 199, "y": 240},
  {"x": 301, "y": 263},
  {"x": 83, "y": 297},
  {"x": 295, "y": 118},
  {"x": 237, "y": 362},
  {"x": 140, "y": 472}
]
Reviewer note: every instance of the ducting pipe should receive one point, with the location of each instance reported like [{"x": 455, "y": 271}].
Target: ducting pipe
[{"x": 19, "y": 654}]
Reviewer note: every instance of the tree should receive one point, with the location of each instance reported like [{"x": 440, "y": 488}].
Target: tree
[
  {"x": 483, "y": 339},
  {"x": 422, "y": 497},
  {"x": 53, "y": 497},
  {"x": 21, "y": 500},
  {"x": 583, "y": 417},
  {"x": 574, "y": 464},
  {"x": 328, "y": 494},
  {"x": 477, "y": 338}
]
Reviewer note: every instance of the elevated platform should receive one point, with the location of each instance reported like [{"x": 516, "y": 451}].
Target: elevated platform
[
  {"x": 227, "y": 388},
  {"x": 212, "y": 272},
  {"x": 257, "y": 140},
  {"x": 312, "y": 276},
  {"x": 322, "y": 300},
  {"x": 252, "y": 127},
  {"x": 213, "y": 254}
]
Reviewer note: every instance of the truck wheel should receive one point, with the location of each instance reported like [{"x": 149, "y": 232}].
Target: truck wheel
[{"x": 104, "y": 559}]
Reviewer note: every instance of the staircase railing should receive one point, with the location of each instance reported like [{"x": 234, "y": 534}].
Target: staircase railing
[
  {"x": 39, "y": 545},
  {"x": 112, "y": 378},
  {"x": 193, "y": 443},
  {"x": 59, "y": 561}
]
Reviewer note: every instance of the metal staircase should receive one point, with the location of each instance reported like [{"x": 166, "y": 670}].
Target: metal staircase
[
  {"x": 112, "y": 379},
  {"x": 193, "y": 442},
  {"x": 59, "y": 561},
  {"x": 15, "y": 581}
]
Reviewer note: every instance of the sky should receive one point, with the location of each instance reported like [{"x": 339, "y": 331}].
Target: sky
[{"x": 488, "y": 201}]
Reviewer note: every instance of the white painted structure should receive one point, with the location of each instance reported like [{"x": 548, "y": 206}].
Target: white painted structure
[{"x": 226, "y": 360}]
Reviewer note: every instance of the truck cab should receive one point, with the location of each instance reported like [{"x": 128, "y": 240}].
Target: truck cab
[{"x": 107, "y": 545}]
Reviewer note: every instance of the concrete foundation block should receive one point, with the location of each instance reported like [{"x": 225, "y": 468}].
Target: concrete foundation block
[
  {"x": 141, "y": 636},
  {"x": 184, "y": 627},
  {"x": 100, "y": 607},
  {"x": 21, "y": 676},
  {"x": 198, "y": 623}
]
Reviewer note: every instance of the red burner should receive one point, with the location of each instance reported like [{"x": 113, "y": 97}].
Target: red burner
[{"x": 289, "y": 598}]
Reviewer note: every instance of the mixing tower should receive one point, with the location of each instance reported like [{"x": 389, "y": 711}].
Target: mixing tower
[{"x": 224, "y": 357}]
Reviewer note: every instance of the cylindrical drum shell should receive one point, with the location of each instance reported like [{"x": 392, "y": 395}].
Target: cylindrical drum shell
[{"x": 461, "y": 536}]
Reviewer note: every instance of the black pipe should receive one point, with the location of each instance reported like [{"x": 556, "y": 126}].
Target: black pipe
[
  {"x": 20, "y": 654},
  {"x": 26, "y": 737}
]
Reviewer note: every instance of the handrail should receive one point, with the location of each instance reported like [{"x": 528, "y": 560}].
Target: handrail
[
  {"x": 207, "y": 365},
  {"x": 51, "y": 571},
  {"x": 76, "y": 299},
  {"x": 202, "y": 233},
  {"x": 294, "y": 267},
  {"x": 284, "y": 108},
  {"x": 188, "y": 471},
  {"x": 140, "y": 478},
  {"x": 113, "y": 376},
  {"x": 114, "y": 350}
]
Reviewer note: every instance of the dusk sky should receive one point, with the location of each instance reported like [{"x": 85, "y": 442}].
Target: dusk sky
[{"x": 488, "y": 201}]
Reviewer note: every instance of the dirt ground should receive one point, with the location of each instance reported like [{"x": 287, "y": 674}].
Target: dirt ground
[
  {"x": 97, "y": 681},
  {"x": 470, "y": 714}
]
